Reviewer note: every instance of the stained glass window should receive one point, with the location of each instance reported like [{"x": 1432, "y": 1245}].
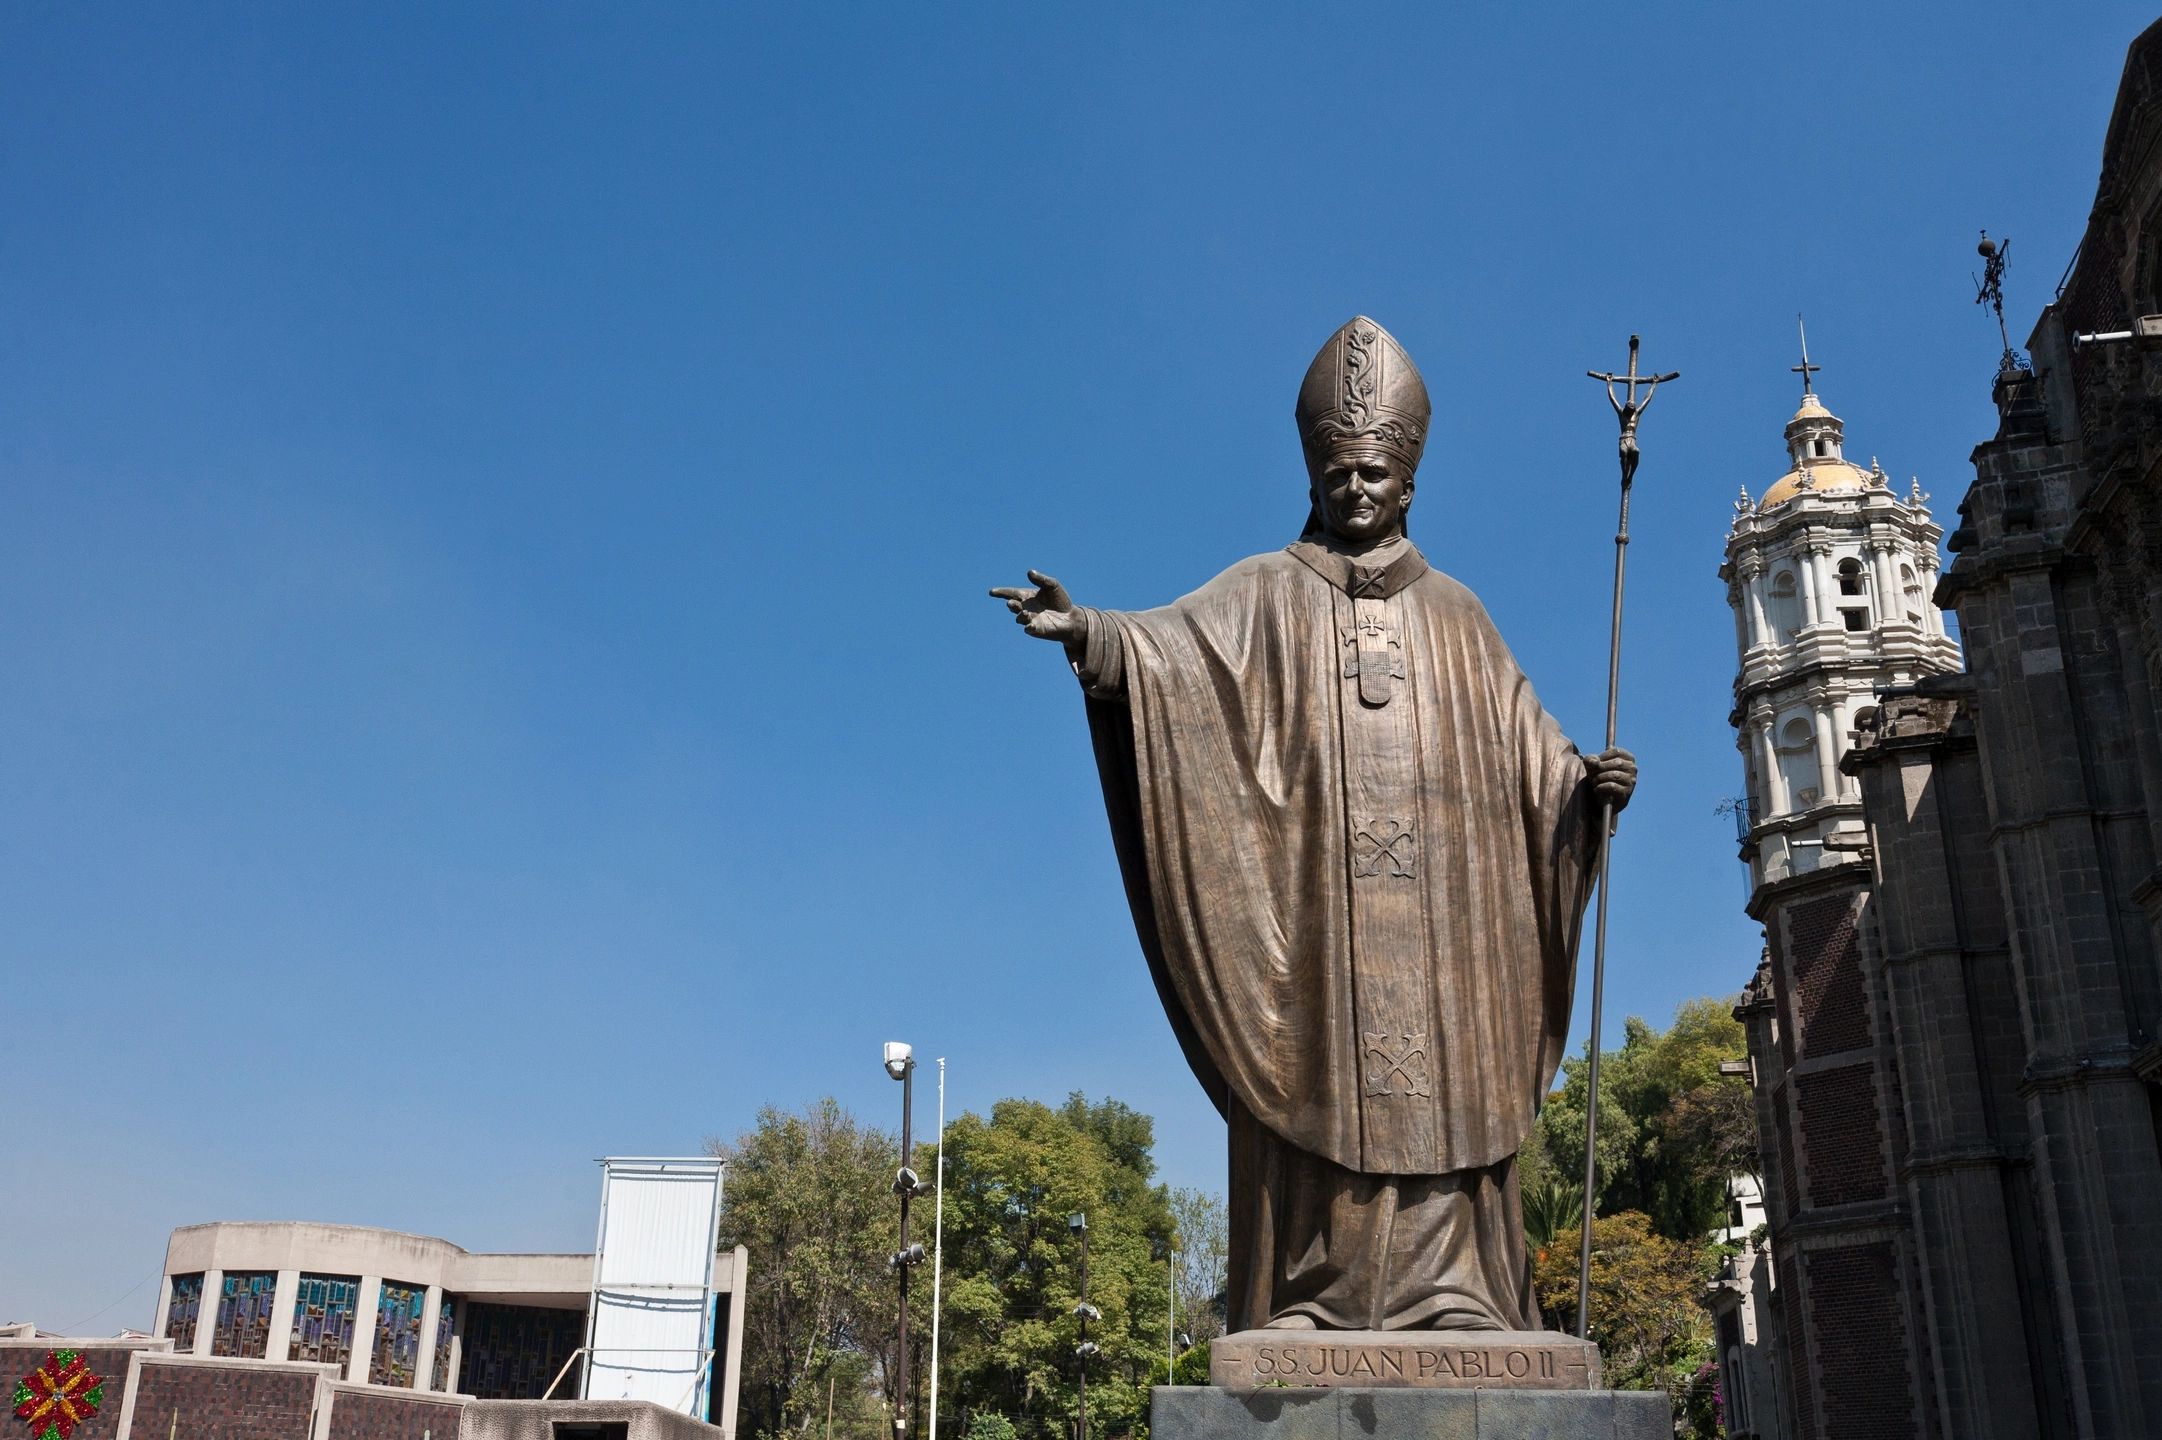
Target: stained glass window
[
  {"x": 181, "y": 1314},
  {"x": 323, "y": 1319},
  {"x": 446, "y": 1330},
  {"x": 513, "y": 1352},
  {"x": 397, "y": 1333},
  {"x": 244, "y": 1314}
]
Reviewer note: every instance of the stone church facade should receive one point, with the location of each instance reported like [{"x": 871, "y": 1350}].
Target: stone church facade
[{"x": 1957, "y": 1032}]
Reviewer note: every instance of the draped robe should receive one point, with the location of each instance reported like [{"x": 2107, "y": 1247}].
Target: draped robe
[{"x": 1357, "y": 852}]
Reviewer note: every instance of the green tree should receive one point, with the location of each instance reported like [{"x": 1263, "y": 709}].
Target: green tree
[
  {"x": 1719, "y": 1122},
  {"x": 810, "y": 1195},
  {"x": 1560, "y": 1132},
  {"x": 1552, "y": 1202},
  {"x": 1013, "y": 1264},
  {"x": 1192, "y": 1369},
  {"x": 1672, "y": 1127},
  {"x": 1202, "y": 1257},
  {"x": 1652, "y": 1330}
]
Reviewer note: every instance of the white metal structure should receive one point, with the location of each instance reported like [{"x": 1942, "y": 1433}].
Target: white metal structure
[{"x": 649, "y": 1331}]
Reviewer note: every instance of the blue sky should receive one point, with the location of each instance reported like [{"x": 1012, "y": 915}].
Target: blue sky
[{"x": 495, "y": 504}]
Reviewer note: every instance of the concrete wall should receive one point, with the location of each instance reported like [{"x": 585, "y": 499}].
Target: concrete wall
[
  {"x": 536, "y": 1420},
  {"x": 171, "y": 1396}
]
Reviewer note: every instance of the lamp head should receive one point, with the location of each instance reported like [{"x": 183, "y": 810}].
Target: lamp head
[
  {"x": 900, "y": 1059},
  {"x": 1077, "y": 1223}
]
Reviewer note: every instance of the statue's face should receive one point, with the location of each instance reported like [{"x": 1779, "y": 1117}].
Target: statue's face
[{"x": 1363, "y": 492}]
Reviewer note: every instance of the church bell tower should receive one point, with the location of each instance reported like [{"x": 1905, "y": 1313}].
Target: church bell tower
[{"x": 1830, "y": 573}]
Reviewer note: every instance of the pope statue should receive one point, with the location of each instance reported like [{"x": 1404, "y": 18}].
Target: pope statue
[{"x": 1357, "y": 852}]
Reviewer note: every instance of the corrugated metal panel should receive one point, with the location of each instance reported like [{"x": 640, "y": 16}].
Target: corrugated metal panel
[{"x": 650, "y": 1325}]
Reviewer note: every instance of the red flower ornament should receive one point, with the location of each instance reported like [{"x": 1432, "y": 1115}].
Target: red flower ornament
[{"x": 58, "y": 1395}]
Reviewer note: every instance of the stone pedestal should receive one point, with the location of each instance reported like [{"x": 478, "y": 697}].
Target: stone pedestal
[
  {"x": 1405, "y": 1385},
  {"x": 1203, "y": 1412},
  {"x": 1427, "y": 1359}
]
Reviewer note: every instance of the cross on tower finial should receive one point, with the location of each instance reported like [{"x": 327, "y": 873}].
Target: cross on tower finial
[{"x": 1805, "y": 369}]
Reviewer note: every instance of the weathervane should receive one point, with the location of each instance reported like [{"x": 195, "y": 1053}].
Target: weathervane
[
  {"x": 1989, "y": 290},
  {"x": 1628, "y": 409}
]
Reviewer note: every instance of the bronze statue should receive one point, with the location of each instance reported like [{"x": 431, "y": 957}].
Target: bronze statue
[{"x": 1357, "y": 852}]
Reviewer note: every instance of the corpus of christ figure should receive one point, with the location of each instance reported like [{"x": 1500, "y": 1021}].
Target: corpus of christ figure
[{"x": 1357, "y": 853}]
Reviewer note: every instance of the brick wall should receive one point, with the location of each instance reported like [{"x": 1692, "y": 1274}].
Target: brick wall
[
  {"x": 1861, "y": 1342},
  {"x": 1841, "y": 1135},
  {"x": 223, "y": 1402},
  {"x": 19, "y": 1358},
  {"x": 1801, "y": 1394},
  {"x": 362, "y": 1415},
  {"x": 1824, "y": 950},
  {"x": 1790, "y": 1178}
]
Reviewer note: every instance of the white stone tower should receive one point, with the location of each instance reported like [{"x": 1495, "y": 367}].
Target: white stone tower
[{"x": 1830, "y": 576}]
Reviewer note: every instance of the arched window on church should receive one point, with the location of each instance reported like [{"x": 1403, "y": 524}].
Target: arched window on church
[
  {"x": 1786, "y": 614},
  {"x": 1798, "y": 762},
  {"x": 1854, "y": 583},
  {"x": 1912, "y": 589},
  {"x": 1737, "y": 1392}
]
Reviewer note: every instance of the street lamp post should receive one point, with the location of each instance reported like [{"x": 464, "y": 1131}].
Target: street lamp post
[
  {"x": 1086, "y": 1312},
  {"x": 901, "y": 1065}
]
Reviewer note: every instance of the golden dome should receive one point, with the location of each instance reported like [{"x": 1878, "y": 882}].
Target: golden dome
[
  {"x": 1814, "y": 438},
  {"x": 1824, "y": 476}
]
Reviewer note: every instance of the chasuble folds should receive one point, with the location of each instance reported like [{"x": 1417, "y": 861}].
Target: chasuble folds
[{"x": 1356, "y": 848}]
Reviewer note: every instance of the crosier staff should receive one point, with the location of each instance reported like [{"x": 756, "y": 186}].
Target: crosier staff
[{"x": 1628, "y": 409}]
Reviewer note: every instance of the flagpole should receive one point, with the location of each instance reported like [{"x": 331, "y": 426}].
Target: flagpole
[
  {"x": 938, "y": 1244},
  {"x": 1628, "y": 411}
]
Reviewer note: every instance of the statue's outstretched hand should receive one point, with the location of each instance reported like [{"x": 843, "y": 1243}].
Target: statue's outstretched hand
[
  {"x": 1046, "y": 612},
  {"x": 1613, "y": 777}
]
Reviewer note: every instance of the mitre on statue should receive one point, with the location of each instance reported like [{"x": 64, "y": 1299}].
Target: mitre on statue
[{"x": 1362, "y": 386}]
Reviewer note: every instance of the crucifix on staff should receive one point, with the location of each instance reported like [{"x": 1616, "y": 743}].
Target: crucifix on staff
[{"x": 1628, "y": 409}]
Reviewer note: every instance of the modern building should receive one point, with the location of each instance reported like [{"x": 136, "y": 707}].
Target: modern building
[
  {"x": 297, "y": 1331},
  {"x": 1829, "y": 573},
  {"x": 1966, "y": 1189},
  {"x": 402, "y": 1311}
]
